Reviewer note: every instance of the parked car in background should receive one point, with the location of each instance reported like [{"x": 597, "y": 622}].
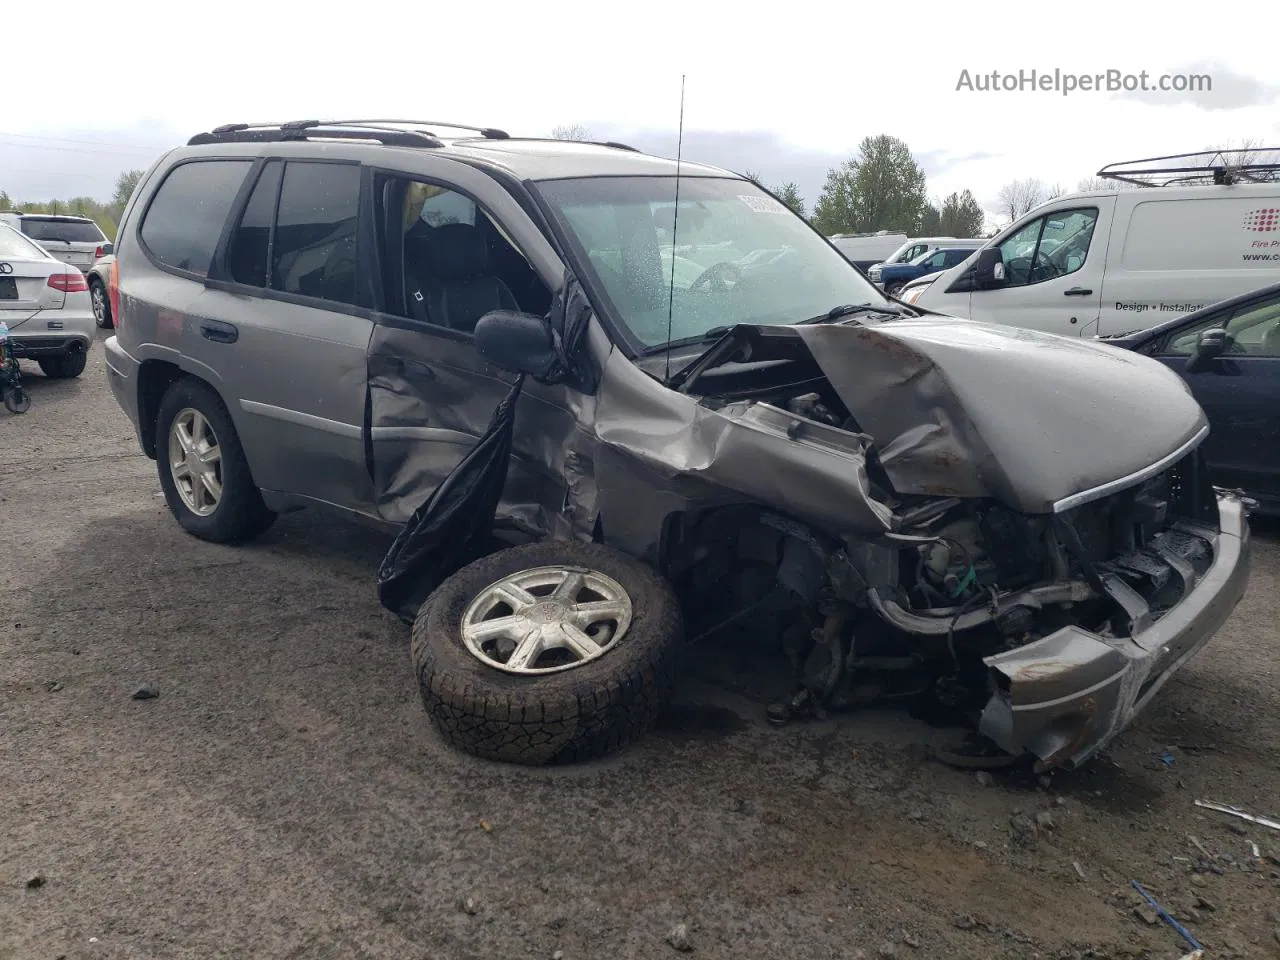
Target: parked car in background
[
  {"x": 1229, "y": 354},
  {"x": 920, "y": 245},
  {"x": 45, "y": 305},
  {"x": 868, "y": 249},
  {"x": 891, "y": 277},
  {"x": 77, "y": 241},
  {"x": 99, "y": 279},
  {"x": 1093, "y": 263}
]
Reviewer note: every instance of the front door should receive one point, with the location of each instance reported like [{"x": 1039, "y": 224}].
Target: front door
[
  {"x": 446, "y": 260},
  {"x": 1053, "y": 268},
  {"x": 1240, "y": 394}
]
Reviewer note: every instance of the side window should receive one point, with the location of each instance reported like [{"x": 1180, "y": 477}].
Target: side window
[
  {"x": 313, "y": 253},
  {"x": 186, "y": 216},
  {"x": 1183, "y": 343},
  {"x": 457, "y": 263},
  {"x": 939, "y": 259},
  {"x": 957, "y": 256},
  {"x": 1048, "y": 247},
  {"x": 1255, "y": 330},
  {"x": 247, "y": 255}
]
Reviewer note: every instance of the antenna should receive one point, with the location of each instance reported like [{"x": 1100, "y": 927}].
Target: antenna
[{"x": 675, "y": 220}]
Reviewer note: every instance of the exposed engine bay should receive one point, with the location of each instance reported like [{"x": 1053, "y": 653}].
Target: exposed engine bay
[{"x": 917, "y": 612}]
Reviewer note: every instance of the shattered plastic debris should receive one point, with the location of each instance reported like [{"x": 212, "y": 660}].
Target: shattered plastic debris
[{"x": 1237, "y": 812}]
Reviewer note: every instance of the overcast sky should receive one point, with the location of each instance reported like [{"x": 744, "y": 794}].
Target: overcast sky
[{"x": 789, "y": 94}]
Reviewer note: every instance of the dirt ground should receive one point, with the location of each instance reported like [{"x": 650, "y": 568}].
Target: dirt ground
[{"x": 285, "y": 795}]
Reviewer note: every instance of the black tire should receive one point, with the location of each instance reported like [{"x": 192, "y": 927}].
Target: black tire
[
  {"x": 892, "y": 289},
  {"x": 65, "y": 366},
  {"x": 240, "y": 514},
  {"x": 101, "y": 304},
  {"x": 17, "y": 400},
  {"x": 578, "y": 714}
]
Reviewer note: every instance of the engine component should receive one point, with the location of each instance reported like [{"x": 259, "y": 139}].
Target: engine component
[{"x": 810, "y": 405}]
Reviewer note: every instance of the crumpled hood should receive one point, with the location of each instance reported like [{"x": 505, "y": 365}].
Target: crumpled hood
[{"x": 962, "y": 408}]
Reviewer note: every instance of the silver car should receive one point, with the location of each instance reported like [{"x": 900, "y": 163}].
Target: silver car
[
  {"x": 470, "y": 340},
  {"x": 45, "y": 305},
  {"x": 76, "y": 241}
]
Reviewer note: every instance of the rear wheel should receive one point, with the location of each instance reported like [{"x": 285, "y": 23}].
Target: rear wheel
[
  {"x": 101, "y": 305},
  {"x": 65, "y": 366},
  {"x": 203, "y": 471}
]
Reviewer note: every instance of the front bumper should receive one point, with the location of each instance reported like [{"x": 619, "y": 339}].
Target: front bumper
[{"x": 1066, "y": 696}]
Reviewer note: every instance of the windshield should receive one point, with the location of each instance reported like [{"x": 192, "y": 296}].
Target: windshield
[
  {"x": 69, "y": 231},
  {"x": 907, "y": 252},
  {"x": 14, "y": 245},
  {"x": 738, "y": 255}
]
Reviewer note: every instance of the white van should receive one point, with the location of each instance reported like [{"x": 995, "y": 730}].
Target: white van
[
  {"x": 866, "y": 250},
  {"x": 1110, "y": 262}
]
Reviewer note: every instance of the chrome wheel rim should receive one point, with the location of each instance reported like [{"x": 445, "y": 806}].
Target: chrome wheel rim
[
  {"x": 546, "y": 620},
  {"x": 99, "y": 301},
  {"x": 195, "y": 462}
]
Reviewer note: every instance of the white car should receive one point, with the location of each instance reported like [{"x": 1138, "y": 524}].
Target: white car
[
  {"x": 45, "y": 304},
  {"x": 77, "y": 241}
]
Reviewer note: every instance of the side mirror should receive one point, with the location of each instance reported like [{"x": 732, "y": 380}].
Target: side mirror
[
  {"x": 517, "y": 342},
  {"x": 108, "y": 249},
  {"x": 1209, "y": 344},
  {"x": 988, "y": 269}
]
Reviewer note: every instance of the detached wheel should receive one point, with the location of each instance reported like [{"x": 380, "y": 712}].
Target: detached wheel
[
  {"x": 203, "y": 470},
  {"x": 547, "y": 653},
  {"x": 101, "y": 305},
  {"x": 64, "y": 366}
]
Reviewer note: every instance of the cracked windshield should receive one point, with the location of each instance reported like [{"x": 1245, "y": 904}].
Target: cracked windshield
[{"x": 733, "y": 254}]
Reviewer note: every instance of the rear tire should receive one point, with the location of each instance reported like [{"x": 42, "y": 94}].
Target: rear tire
[
  {"x": 65, "y": 366},
  {"x": 239, "y": 513},
  {"x": 582, "y": 712},
  {"x": 101, "y": 304}
]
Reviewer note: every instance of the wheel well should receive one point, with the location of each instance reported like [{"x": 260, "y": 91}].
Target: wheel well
[{"x": 154, "y": 378}]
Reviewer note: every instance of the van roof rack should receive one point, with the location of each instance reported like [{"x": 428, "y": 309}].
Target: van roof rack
[{"x": 1226, "y": 166}]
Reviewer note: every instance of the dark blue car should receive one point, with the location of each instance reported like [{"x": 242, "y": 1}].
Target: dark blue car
[
  {"x": 1229, "y": 354},
  {"x": 891, "y": 276}
]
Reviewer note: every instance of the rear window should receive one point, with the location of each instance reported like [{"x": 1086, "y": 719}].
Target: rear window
[
  {"x": 185, "y": 218},
  {"x": 67, "y": 231},
  {"x": 17, "y": 247}
]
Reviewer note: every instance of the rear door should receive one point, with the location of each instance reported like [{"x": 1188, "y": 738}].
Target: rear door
[
  {"x": 293, "y": 327},
  {"x": 1053, "y": 268},
  {"x": 1240, "y": 394}
]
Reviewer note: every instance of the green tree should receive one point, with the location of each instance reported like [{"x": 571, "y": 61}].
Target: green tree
[
  {"x": 789, "y": 194},
  {"x": 931, "y": 220},
  {"x": 126, "y": 183},
  {"x": 754, "y": 177},
  {"x": 883, "y": 188},
  {"x": 960, "y": 216}
]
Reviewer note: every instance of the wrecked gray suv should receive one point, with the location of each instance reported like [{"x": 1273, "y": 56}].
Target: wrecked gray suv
[{"x": 610, "y": 404}]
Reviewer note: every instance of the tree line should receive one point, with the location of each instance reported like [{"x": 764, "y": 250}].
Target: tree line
[{"x": 106, "y": 214}]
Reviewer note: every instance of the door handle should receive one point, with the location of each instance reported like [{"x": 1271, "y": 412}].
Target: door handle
[
  {"x": 219, "y": 332},
  {"x": 1077, "y": 292}
]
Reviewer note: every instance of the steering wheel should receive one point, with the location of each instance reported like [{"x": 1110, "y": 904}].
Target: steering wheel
[{"x": 716, "y": 275}]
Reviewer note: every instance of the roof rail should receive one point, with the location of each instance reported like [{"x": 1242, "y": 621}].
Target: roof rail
[
  {"x": 1226, "y": 166},
  {"x": 315, "y": 129},
  {"x": 489, "y": 133}
]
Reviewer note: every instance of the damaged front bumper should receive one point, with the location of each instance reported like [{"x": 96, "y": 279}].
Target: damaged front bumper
[{"x": 1066, "y": 696}]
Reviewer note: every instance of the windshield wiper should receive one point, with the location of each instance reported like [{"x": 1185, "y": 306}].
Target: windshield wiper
[{"x": 850, "y": 310}]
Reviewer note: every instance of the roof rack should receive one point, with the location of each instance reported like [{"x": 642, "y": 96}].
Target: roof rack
[
  {"x": 489, "y": 133},
  {"x": 1227, "y": 166},
  {"x": 315, "y": 130}
]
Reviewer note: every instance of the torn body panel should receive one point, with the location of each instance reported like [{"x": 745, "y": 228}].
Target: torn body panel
[
  {"x": 977, "y": 410},
  {"x": 1067, "y": 695}
]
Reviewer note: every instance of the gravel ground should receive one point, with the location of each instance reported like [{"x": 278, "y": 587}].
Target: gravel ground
[{"x": 286, "y": 796}]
